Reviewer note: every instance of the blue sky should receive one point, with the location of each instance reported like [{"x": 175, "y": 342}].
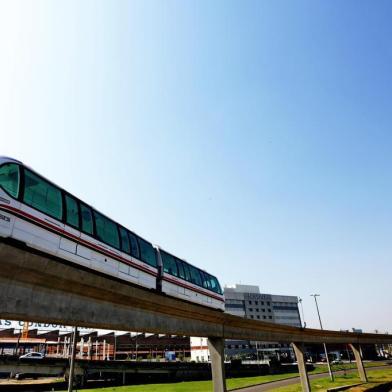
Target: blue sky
[{"x": 251, "y": 138}]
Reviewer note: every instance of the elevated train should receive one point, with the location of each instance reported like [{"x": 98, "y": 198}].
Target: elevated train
[{"x": 38, "y": 213}]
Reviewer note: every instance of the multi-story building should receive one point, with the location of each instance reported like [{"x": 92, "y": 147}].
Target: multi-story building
[{"x": 247, "y": 301}]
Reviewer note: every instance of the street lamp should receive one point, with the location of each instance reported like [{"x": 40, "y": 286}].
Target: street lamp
[{"x": 321, "y": 327}]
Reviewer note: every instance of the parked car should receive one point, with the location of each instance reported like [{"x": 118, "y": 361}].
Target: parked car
[
  {"x": 337, "y": 362},
  {"x": 32, "y": 355}
]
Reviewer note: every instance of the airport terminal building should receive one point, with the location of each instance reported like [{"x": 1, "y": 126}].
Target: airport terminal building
[{"x": 247, "y": 301}]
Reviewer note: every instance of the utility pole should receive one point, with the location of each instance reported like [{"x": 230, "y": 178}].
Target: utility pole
[
  {"x": 72, "y": 365},
  {"x": 321, "y": 327},
  {"x": 302, "y": 311}
]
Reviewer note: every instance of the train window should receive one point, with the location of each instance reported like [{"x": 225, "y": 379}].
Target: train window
[
  {"x": 195, "y": 276},
  {"x": 125, "y": 245},
  {"x": 134, "y": 245},
  {"x": 147, "y": 252},
  {"x": 87, "y": 219},
  {"x": 10, "y": 179},
  {"x": 180, "y": 268},
  {"x": 41, "y": 195},
  {"x": 215, "y": 286},
  {"x": 187, "y": 272},
  {"x": 106, "y": 230},
  {"x": 169, "y": 264},
  {"x": 72, "y": 211},
  {"x": 205, "y": 280}
]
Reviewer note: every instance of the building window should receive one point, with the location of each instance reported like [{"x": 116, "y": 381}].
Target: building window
[
  {"x": 257, "y": 309},
  {"x": 250, "y": 302},
  {"x": 270, "y": 317},
  {"x": 258, "y": 316},
  {"x": 256, "y": 302},
  {"x": 250, "y": 309},
  {"x": 251, "y": 316}
]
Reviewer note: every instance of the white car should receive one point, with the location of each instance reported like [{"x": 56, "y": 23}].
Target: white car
[{"x": 32, "y": 355}]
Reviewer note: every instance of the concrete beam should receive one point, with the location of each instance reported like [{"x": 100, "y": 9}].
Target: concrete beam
[
  {"x": 303, "y": 374},
  {"x": 216, "y": 347},
  {"x": 42, "y": 288},
  {"x": 358, "y": 359}
]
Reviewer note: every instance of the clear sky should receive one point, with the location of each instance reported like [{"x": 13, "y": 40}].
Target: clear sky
[{"x": 252, "y": 138}]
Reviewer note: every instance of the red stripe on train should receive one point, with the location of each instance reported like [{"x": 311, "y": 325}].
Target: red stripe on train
[
  {"x": 78, "y": 239},
  {"x": 168, "y": 279}
]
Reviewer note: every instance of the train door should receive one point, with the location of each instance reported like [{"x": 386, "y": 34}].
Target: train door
[
  {"x": 69, "y": 242},
  {"x": 87, "y": 230},
  {"x": 9, "y": 189}
]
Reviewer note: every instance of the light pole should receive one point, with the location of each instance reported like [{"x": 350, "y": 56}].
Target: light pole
[
  {"x": 321, "y": 327},
  {"x": 302, "y": 311},
  {"x": 72, "y": 364}
]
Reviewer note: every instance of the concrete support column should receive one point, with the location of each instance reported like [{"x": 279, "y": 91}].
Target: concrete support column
[
  {"x": 89, "y": 344},
  {"x": 216, "y": 347},
  {"x": 358, "y": 359},
  {"x": 303, "y": 374},
  {"x": 81, "y": 348}
]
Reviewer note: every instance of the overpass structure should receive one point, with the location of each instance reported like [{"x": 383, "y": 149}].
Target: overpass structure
[{"x": 42, "y": 288}]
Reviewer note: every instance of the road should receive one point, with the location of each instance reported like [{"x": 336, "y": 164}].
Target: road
[{"x": 284, "y": 383}]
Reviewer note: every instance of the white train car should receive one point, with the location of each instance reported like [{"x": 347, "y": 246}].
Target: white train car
[
  {"x": 44, "y": 216},
  {"x": 180, "y": 279}
]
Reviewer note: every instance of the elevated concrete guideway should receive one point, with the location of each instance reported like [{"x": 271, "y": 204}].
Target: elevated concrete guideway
[{"x": 37, "y": 287}]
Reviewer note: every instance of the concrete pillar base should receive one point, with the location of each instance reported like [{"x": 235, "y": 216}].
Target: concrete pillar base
[
  {"x": 358, "y": 359},
  {"x": 303, "y": 374},
  {"x": 216, "y": 347}
]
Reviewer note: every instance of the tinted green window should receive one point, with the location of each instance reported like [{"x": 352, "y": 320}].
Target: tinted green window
[
  {"x": 72, "y": 211},
  {"x": 205, "y": 280},
  {"x": 147, "y": 252},
  {"x": 42, "y": 195},
  {"x": 87, "y": 219},
  {"x": 125, "y": 246},
  {"x": 187, "y": 272},
  {"x": 195, "y": 276},
  {"x": 134, "y": 245},
  {"x": 215, "y": 286},
  {"x": 180, "y": 268},
  {"x": 10, "y": 179},
  {"x": 106, "y": 230},
  {"x": 169, "y": 264}
]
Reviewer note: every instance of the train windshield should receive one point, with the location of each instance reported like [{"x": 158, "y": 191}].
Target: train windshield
[{"x": 10, "y": 179}]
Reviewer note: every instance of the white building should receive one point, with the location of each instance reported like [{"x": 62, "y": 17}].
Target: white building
[{"x": 247, "y": 301}]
